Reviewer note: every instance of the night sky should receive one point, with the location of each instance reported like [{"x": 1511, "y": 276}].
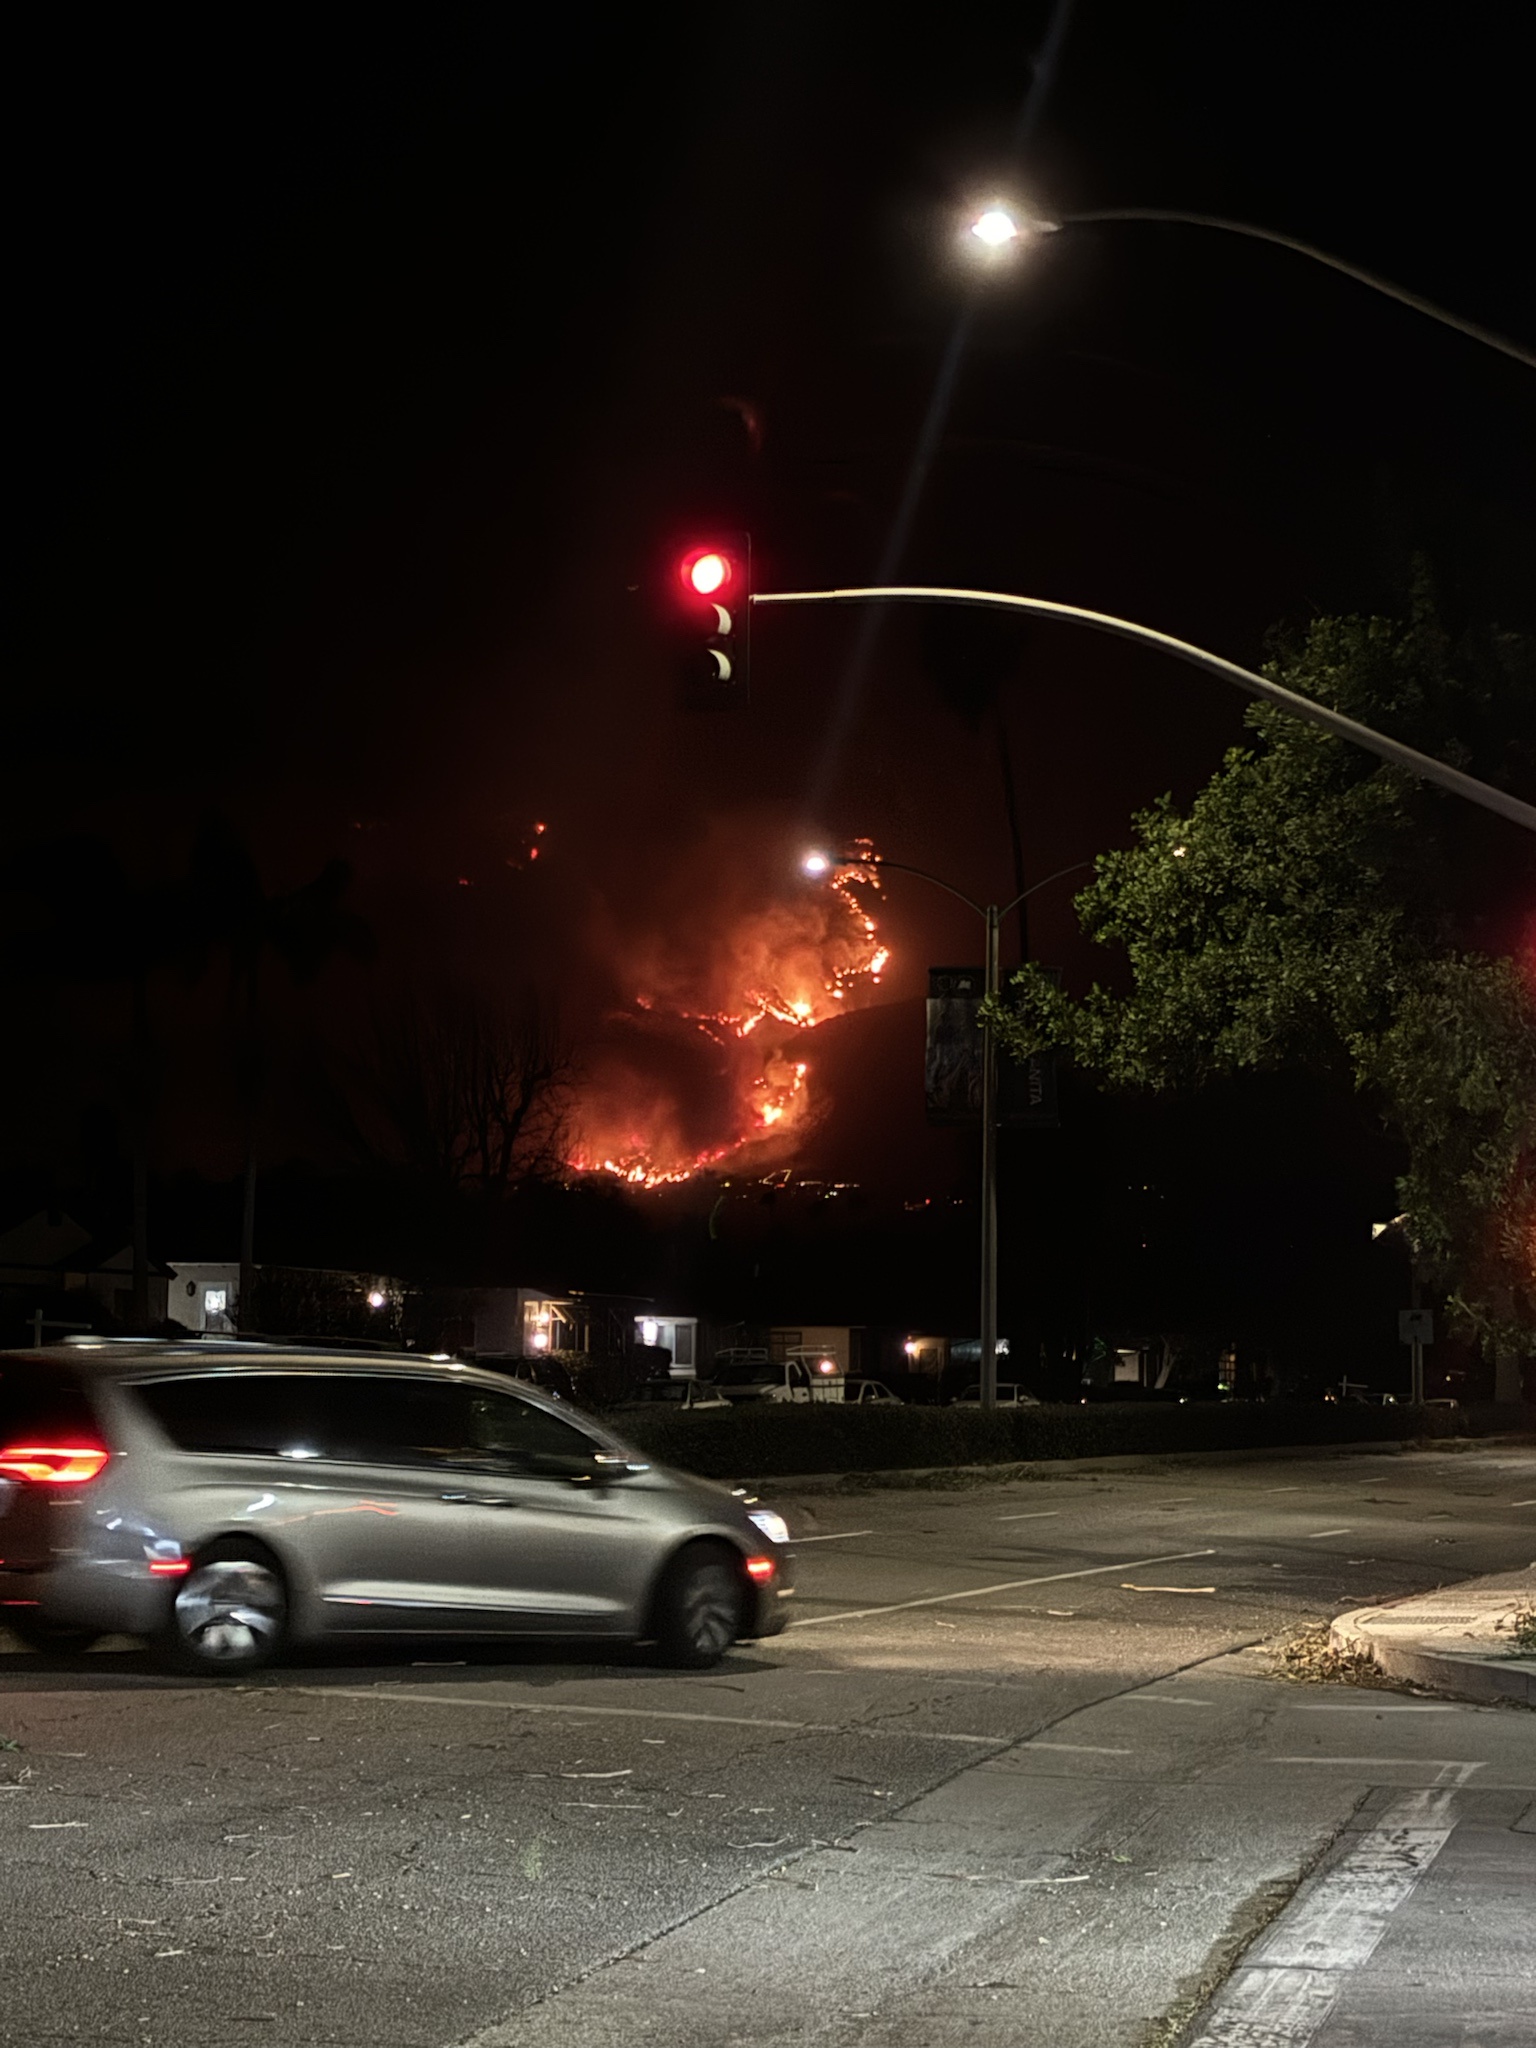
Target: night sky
[{"x": 374, "y": 365}]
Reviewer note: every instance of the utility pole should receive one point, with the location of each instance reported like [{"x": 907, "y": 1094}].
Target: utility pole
[{"x": 988, "y": 1374}]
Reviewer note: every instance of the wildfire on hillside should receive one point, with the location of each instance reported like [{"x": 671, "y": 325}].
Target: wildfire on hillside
[{"x": 652, "y": 1112}]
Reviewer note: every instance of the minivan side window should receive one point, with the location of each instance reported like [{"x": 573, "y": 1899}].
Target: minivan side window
[{"x": 394, "y": 1420}]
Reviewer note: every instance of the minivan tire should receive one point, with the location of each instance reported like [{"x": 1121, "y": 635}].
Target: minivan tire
[
  {"x": 229, "y": 1615},
  {"x": 698, "y": 1610}
]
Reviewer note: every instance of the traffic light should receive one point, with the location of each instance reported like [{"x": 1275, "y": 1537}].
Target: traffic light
[{"x": 716, "y": 582}]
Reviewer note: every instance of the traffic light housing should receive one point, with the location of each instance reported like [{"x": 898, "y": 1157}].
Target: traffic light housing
[{"x": 715, "y": 585}]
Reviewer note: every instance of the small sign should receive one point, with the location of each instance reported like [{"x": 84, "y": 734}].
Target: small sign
[{"x": 1415, "y": 1326}]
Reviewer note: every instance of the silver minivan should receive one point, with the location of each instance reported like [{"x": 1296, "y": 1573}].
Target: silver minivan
[{"x": 226, "y": 1500}]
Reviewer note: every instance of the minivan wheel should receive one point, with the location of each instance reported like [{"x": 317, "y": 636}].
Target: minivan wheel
[
  {"x": 230, "y": 1613},
  {"x": 698, "y": 1612}
]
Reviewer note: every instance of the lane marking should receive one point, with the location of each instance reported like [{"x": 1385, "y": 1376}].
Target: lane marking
[
  {"x": 1283, "y": 1489},
  {"x": 1408, "y": 1763},
  {"x": 1523, "y": 1503},
  {"x": 836, "y": 1536},
  {"x": 1045, "y": 1515},
  {"x": 1092, "y": 1571},
  {"x": 1079, "y": 1748},
  {"x": 1167, "y": 1699},
  {"x": 1286, "y": 1995},
  {"x": 1349, "y": 1707},
  {"x": 1317, "y": 1534},
  {"x": 435, "y": 1699}
]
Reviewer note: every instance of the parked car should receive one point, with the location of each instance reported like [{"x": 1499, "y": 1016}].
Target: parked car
[
  {"x": 1008, "y": 1396},
  {"x": 756, "y": 1377},
  {"x": 685, "y": 1395},
  {"x": 866, "y": 1392},
  {"x": 227, "y": 1500}
]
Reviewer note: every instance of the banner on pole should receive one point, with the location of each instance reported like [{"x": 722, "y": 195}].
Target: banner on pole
[{"x": 1026, "y": 1089}]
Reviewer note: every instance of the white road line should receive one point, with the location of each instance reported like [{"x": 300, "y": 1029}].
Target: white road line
[
  {"x": 1349, "y": 1707},
  {"x": 1045, "y": 1515},
  {"x": 389, "y": 1695},
  {"x": 1079, "y": 1748},
  {"x": 1283, "y": 1489},
  {"x": 1286, "y": 1994},
  {"x": 1385, "y": 1763},
  {"x": 1318, "y": 1533},
  {"x": 1167, "y": 1699},
  {"x": 1523, "y": 1503},
  {"x": 834, "y": 1536},
  {"x": 1092, "y": 1571}
]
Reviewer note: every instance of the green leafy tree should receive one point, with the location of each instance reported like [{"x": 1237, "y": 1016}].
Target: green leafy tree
[{"x": 1317, "y": 907}]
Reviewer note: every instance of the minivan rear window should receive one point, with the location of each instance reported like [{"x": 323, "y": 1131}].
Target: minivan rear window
[
  {"x": 42, "y": 1404},
  {"x": 258, "y": 1415}
]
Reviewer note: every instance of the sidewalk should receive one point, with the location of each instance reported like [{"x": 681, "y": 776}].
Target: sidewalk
[{"x": 1459, "y": 1639}]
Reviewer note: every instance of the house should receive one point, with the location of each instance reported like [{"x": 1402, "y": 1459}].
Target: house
[
  {"x": 52, "y": 1267},
  {"x": 206, "y": 1297}
]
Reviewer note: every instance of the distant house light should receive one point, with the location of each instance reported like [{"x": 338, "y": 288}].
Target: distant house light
[
  {"x": 377, "y": 1297},
  {"x": 650, "y": 1331}
]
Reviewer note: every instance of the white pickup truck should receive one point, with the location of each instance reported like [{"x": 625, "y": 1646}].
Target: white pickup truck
[{"x": 800, "y": 1375}]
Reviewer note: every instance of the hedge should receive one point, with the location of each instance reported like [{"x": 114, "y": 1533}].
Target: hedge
[{"x": 773, "y": 1440}]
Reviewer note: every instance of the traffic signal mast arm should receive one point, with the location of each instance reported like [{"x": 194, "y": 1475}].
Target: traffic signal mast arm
[{"x": 1425, "y": 766}]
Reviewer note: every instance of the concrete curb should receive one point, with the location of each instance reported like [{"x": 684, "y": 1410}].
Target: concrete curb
[{"x": 1449, "y": 1640}]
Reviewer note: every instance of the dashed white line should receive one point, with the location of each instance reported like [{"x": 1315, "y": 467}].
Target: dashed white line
[
  {"x": 1092, "y": 1571},
  {"x": 1348, "y": 1707},
  {"x": 390, "y": 1696},
  {"x": 1080, "y": 1748},
  {"x": 1317, "y": 1534},
  {"x": 1385, "y": 1763},
  {"x": 1045, "y": 1515},
  {"x": 832, "y": 1536}
]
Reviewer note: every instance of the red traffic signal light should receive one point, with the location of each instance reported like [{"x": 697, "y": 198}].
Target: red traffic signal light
[
  {"x": 717, "y": 584},
  {"x": 706, "y": 571}
]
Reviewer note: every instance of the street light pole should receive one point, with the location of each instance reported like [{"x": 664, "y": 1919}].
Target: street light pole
[
  {"x": 998, "y": 228},
  {"x": 988, "y": 1375},
  {"x": 1425, "y": 766},
  {"x": 992, "y": 918}
]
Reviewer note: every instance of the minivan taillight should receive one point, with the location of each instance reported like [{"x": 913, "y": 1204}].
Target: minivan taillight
[{"x": 57, "y": 1464}]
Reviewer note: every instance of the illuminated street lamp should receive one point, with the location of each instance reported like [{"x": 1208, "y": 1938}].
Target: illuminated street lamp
[
  {"x": 996, "y": 228},
  {"x": 1000, "y": 228},
  {"x": 820, "y": 863}
]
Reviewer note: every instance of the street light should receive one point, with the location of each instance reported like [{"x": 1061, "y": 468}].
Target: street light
[
  {"x": 818, "y": 863},
  {"x": 1425, "y": 766},
  {"x": 1000, "y": 227}
]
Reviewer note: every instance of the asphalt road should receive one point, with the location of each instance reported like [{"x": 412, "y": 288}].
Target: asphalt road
[{"x": 1020, "y": 1773}]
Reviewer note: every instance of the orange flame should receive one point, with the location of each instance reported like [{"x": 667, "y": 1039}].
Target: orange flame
[{"x": 781, "y": 968}]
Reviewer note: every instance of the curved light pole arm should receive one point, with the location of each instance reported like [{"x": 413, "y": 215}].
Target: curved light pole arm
[
  {"x": 878, "y": 860},
  {"x": 1025, "y": 894},
  {"x": 1425, "y": 766},
  {"x": 1377, "y": 284}
]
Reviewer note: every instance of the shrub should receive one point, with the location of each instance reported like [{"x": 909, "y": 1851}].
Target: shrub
[{"x": 764, "y": 1439}]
